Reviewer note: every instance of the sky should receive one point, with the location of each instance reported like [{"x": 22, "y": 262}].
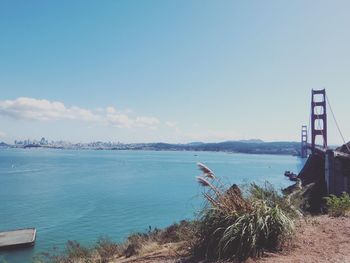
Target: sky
[{"x": 171, "y": 71}]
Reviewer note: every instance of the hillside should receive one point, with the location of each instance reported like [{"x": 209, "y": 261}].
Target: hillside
[
  {"x": 249, "y": 146},
  {"x": 318, "y": 239}
]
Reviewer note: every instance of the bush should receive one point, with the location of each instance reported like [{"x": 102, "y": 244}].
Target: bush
[
  {"x": 106, "y": 249},
  {"x": 140, "y": 243},
  {"x": 235, "y": 227},
  {"x": 289, "y": 204},
  {"x": 75, "y": 250},
  {"x": 338, "y": 206},
  {"x": 74, "y": 253}
]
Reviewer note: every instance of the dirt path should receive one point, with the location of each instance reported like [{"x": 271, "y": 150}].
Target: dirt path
[{"x": 318, "y": 239}]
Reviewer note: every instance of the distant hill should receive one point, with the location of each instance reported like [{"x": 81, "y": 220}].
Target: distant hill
[
  {"x": 252, "y": 146},
  {"x": 246, "y": 146},
  {"x": 252, "y": 141},
  {"x": 344, "y": 148},
  {"x": 195, "y": 143},
  {"x": 4, "y": 145}
]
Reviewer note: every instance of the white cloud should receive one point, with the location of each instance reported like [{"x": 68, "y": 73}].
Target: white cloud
[
  {"x": 171, "y": 124},
  {"x": 116, "y": 119},
  {"x": 146, "y": 121},
  {"x": 122, "y": 120},
  {"x": 111, "y": 110},
  {"x": 44, "y": 110}
]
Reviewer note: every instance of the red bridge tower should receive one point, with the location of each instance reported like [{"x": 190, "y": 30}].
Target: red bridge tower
[
  {"x": 318, "y": 117},
  {"x": 303, "y": 141}
]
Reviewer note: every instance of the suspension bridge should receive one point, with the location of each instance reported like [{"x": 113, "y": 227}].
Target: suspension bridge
[
  {"x": 318, "y": 121},
  {"x": 326, "y": 167}
]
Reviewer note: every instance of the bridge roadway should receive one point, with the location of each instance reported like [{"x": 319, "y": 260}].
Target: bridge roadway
[{"x": 322, "y": 151}]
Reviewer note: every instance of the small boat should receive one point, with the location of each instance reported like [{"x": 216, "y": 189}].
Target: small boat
[{"x": 17, "y": 238}]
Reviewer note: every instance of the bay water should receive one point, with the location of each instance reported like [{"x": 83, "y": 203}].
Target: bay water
[{"x": 83, "y": 195}]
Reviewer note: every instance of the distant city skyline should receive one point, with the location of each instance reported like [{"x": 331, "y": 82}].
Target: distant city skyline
[{"x": 170, "y": 71}]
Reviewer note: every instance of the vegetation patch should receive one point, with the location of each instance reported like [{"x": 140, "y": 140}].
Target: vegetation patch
[
  {"x": 338, "y": 206},
  {"x": 236, "y": 226},
  {"x": 137, "y": 244}
]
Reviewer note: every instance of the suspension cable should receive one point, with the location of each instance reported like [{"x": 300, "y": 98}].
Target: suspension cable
[{"x": 336, "y": 123}]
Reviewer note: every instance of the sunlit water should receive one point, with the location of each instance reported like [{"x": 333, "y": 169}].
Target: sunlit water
[{"x": 83, "y": 195}]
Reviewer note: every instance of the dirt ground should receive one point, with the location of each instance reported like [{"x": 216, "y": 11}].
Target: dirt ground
[{"x": 318, "y": 239}]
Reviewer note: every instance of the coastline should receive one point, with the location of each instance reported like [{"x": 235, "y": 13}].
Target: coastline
[{"x": 273, "y": 148}]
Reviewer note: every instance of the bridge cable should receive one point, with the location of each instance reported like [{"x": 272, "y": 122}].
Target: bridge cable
[{"x": 336, "y": 123}]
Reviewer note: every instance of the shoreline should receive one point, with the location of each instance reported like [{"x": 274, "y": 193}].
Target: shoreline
[
  {"x": 156, "y": 150},
  {"x": 248, "y": 147}
]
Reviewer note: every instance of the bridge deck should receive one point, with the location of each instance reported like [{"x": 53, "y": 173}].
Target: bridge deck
[
  {"x": 322, "y": 151},
  {"x": 341, "y": 154}
]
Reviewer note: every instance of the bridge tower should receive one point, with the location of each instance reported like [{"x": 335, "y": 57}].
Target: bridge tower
[
  {"x": 303, "y": 152},
  {"x": 318, "y": 117}
]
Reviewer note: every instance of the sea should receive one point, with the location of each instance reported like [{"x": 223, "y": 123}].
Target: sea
[{"x": 84, "y": 195}]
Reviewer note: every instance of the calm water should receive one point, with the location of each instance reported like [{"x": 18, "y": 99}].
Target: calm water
[{"x": 83, "y": 195}]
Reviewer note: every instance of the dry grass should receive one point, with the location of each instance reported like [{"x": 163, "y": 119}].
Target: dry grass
[
  {"x": 149, "y": 247},
  {"x": 137, "y": 244}
]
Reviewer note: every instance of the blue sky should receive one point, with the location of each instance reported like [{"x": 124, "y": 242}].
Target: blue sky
[{"x": 173, "y": 71}]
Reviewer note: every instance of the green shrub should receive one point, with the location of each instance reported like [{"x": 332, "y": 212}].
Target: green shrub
[
  {"x": 236, "y": 227},
  {"x": 261, "y": 228},
  {"x": 338, "y": 206},
  {"x": 240, "y": 235},
  {"x": 289, "y": 204}
]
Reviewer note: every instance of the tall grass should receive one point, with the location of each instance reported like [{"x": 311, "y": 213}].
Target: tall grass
[{"x": 234, "y": 226}]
